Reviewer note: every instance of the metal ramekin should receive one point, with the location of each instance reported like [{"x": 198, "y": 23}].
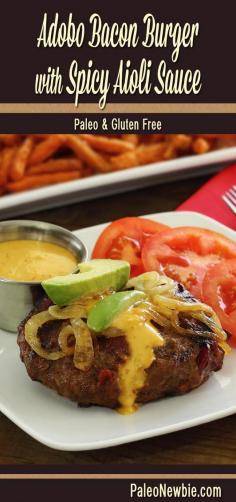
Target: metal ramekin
[{"x": 17, "y": 297}]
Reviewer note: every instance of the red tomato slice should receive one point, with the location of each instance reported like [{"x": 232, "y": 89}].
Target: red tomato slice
[
  {"x": 123, "y": 240},
  {"x": 185, "y": 253},
  {"x": 219, "y": 291}
]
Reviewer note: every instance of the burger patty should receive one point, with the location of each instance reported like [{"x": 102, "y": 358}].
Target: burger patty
[{"x": 180, "y": 365}]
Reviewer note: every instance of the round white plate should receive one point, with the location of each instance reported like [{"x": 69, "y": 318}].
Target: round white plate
[{"x": 60, "y": 424}]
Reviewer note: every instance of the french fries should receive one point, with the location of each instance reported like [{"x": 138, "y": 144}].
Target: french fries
[
  {"x": 131, "y": 138},
  {"x": 41, "y": 181},
  {"x": 37, "y": 160},
  {"x": 201, "y": 145},
  {"x": 84, "y": 151},
  {"x": 56, "y": 166},
  {"x": 108, "y": 145},
  {"x": 9, "y": 139},
  {"x": 6, "y": 161},
  {"x": 19, "y": 162},
  {"x": 46, "y": 148},
  {"x": 144, "y": 154}
]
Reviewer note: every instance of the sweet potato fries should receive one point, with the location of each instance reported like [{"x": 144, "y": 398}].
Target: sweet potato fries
[{"x": 36, "y": 160}]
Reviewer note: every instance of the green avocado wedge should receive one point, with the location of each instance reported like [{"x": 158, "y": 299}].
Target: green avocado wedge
[
  {"x": 104, "y": 311},
  {"x": 94, "y": 276}
]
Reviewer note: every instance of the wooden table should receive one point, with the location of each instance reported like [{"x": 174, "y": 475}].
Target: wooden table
[{"x": 213, "y": 443}]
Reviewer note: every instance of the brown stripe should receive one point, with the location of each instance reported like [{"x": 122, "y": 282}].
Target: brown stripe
[
  {"x": 118, "y": 108},
  {"x": 118, "y": 476}
]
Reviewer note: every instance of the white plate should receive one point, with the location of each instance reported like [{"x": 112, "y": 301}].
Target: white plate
[
  {"x": 60, "y": 424},
  {"x": 116, "y": 182}
]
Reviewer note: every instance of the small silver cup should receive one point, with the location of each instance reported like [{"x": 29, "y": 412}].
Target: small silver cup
[{"x": 17, "y": 298}]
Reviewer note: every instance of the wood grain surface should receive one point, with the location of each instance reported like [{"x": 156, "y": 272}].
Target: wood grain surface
[{"x": 213, "y": 443}]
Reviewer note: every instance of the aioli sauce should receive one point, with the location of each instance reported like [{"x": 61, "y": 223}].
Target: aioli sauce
[
  {"x": 30, "y": 260},
  {"x": 142, "y": 338}
]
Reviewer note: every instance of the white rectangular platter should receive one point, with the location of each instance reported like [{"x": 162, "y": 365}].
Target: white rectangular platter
[
  {"x": 60, "y": 424},
  {"x": 116, "y": 182}
]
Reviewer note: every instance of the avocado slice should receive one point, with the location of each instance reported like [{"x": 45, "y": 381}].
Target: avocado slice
[
  {"x": 94, "y": 276},
  {"x": 104, "y": 311}
]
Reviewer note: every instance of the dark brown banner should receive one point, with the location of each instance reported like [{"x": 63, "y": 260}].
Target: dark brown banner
[
  {"x": 190, "y": 123},
  {"x": 187, "y": 36},
  {"x": 117, "y": 487},
  {"x": 64, "y": 61}
]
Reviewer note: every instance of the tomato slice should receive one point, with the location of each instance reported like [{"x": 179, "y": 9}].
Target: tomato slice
[
  {"x": 219, "y": 291},
  {"x": 185, "y": 254},
  {"x": 123, "y": 240}
]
